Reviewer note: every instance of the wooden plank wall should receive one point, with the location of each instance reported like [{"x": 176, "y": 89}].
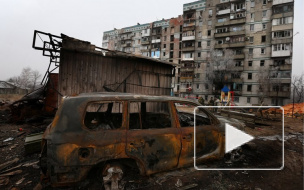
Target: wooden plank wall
[{"x": 81, "y": 72}]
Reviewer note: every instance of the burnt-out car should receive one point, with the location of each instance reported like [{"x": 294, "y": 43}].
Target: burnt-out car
[{"x": 112, "y": 131}]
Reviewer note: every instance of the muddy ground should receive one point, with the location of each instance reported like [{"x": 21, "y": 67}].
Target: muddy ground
[{"x": 264, "y": 151}]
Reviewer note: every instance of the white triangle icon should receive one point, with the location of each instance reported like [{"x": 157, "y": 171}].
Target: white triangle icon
[{"x": 235, "y": 138}]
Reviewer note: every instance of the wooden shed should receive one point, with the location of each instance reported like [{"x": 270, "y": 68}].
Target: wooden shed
[{"x": 86, "y": 68}]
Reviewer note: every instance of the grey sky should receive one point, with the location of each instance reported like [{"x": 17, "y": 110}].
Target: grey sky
[{"x": 87, "y": 20}]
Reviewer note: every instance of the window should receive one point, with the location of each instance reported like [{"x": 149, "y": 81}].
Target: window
[
  {"x": 165, "y": 45},
  {"x": 248, "y": 100},
  {"x": 264, "y": 13},
  {"x": 249, "y": 88},
  {"x": 251, "y": 39},
  {"x": 210, "y": 12},
  {"x": 252, "y": 4},
  {"x": 164, "y": 54},
  {"x": 165, "y": 29},
  {"x": 263, "y": 39},
  {"x": 264, "y": 2},
  {"x": 172, "y": 38},
  {"x": 238, "y": 63},
  {"x": 262, "y": 63},
  {"x": 165, "y": 38},
  {"x": 202, "y": 118},
  {"x": 252, "y": 15},
  {"x": 251, "y": 27},
  {"x": 97, "y": 115},
  {"x": 197, "y": 86},
  {"x": 199, "y": 54},
  {"x": 171, "y": 55},
  {"x": 209, "y": 32},
  {"x": 208, "y": 43},
  {"x": 249, "y": 63},
  {"x": 262, "y": 50},
  {"x": 250, "y": 51},
  {"x": 249, "y": 75},
  {"x": 199, "y": 44},
  {"x": 156, "y": 115},
  {"x": 206, "y": 86},
  {"x": 171, "y": 46},
  {"x": 236, "y": 99},
  {"x": 209, "y": 22},
  {"x": 264, "y": 26}
]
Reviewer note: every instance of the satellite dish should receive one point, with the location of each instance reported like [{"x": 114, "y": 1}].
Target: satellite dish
[{"x": 227, "y": 39}]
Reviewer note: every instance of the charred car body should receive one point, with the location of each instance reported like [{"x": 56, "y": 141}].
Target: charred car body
[{"x": 155, "y": 133}]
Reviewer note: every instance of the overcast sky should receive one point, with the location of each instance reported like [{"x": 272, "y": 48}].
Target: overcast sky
[{"x": 87, "y": 20}]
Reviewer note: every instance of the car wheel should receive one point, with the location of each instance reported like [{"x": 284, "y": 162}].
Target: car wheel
[{"x": 112, "y": 175}]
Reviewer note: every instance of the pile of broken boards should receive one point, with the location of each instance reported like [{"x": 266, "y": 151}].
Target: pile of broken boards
[{"x": 14, "y": 168}]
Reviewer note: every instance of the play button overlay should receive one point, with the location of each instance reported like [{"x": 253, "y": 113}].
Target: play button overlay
[{"x": 235, "y": 138}]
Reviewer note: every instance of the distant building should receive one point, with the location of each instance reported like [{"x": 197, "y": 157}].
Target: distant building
[
  {"x": 10, "y": 88},
  {"x": 258, "y": 32}
]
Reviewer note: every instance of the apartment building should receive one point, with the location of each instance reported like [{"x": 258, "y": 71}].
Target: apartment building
[
  {"x": 159, "y": 40},
  {"x": 245, "y": 45},
  {"x": 254, "y": 39}
]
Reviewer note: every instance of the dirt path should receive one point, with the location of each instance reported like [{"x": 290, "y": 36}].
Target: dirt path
[{"x": 259, "y": 153}]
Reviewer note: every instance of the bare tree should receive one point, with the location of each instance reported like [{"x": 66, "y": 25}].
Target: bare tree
[
  {"x": 264, "y": 84},
  {"x": 27, "y": 79},
  {"x": 221, "y": 67},
  {"x": 297, "y": 84}
]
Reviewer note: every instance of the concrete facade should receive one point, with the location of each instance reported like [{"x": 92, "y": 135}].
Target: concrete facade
[{"x": 258, "y": 32}]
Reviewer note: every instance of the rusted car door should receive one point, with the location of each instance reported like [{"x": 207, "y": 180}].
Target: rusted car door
[
  {"x": 153, "y": 139},
  {"x": 208, "y": 137}
]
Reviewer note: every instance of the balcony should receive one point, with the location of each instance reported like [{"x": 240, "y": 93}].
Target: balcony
[
  {"x": 187, "y": 59},
  {"x": 231, "y": 22},
  {"x": 281, "y": 40},
  {"x": 282, "y": 53},
  {"x": 279, "y": 94},
  {"x": 237, "y": 80},
  {"x": 192, "y": 48},
  {"x": 220, "y": 35},
  {"x": 285, "y": 67},
  {"x": 282, "y": 27},
  {"x": 185, "y": 79},
  {"x": 239, "y": 56},
  {"x": 276, "y": 2},
  {"x": 237, "y": 92},
  {"x": 188, "y": 28},
  {"x": 281, "y": 80},
  {"x": 222, "y": 12},
  {"x": 229, "y": 45},
  {"x": 186, "y": 69},
  {"x": 155, "y": 41},
  {"x": 187, "y": 38},
  {"x": 145, "y": 42}
]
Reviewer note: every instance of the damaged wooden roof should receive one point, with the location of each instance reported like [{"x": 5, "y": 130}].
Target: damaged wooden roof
[{"x": 70, "y": 43}]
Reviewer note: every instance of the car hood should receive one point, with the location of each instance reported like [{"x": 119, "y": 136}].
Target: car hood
[{"x": 231, "y": 121}]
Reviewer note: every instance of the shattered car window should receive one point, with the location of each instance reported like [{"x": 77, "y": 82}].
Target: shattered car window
[
  {"x": 103, "y": 115},
  {"x": 186, "y": 115},
  {"x": 149, "y": 115}
]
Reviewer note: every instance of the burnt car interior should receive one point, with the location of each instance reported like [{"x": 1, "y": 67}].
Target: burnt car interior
[
  {"x": 103, "y": 115},
  {"x": 149, "y": 115},
  {"x": 186, "y": 116}
]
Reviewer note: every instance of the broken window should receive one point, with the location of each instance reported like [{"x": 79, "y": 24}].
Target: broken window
[
  {"x": 249, "y": 63},
  {"x": 149, "y": 115},
  {"x": 263, "y": 39},
  {"x": 186, "y": 116},
  {"x": 104, "y": 115},
  {"x": 249, "y": 75},
  {"x": 262, "y": 63}
]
